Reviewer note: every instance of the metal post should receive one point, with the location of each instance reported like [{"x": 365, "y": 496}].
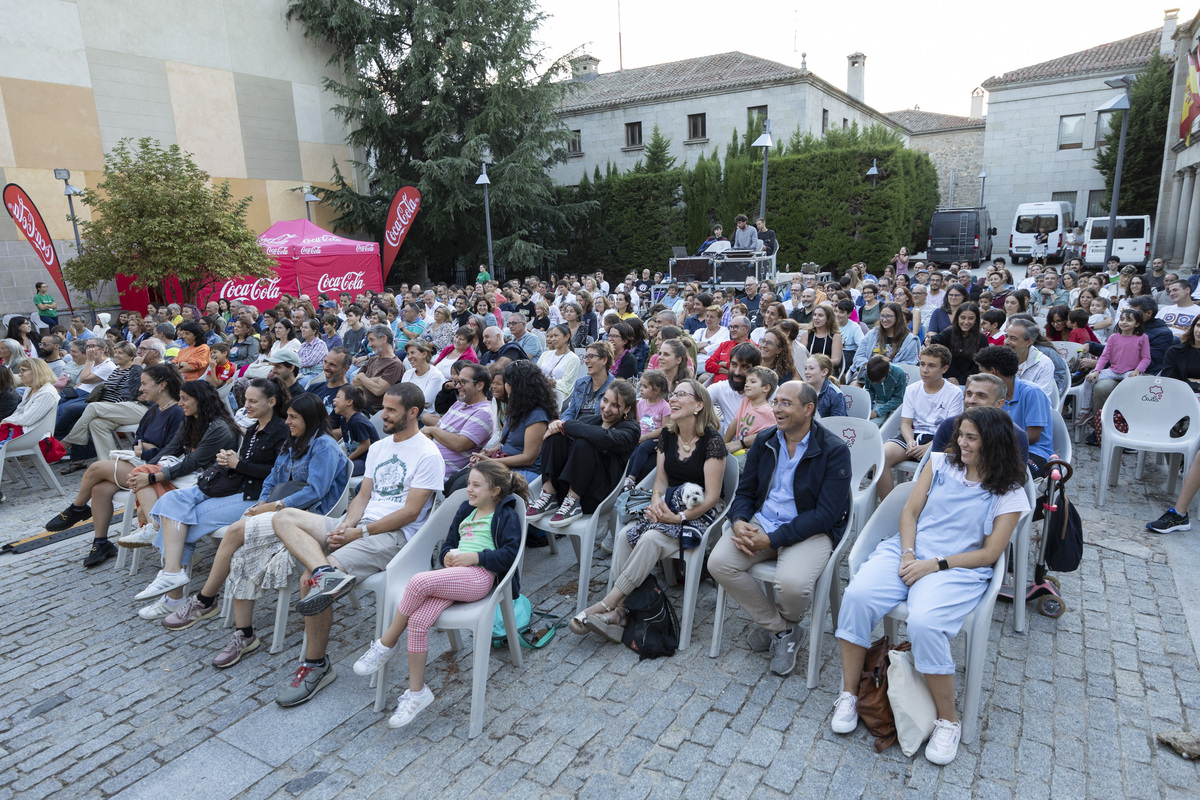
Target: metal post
[
  {"x": 762, "y": 200},
  {"x": 487, "y": 216},
  {"x": 1116, "y": 193},
  {"x": 78, "y": 250}
]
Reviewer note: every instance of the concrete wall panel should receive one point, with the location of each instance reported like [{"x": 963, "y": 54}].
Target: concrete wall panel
[
  {"x": 52, "y": 125},
  {"x": 7, "y": 157},
  {"x": 42, "y": 41},
  {"x": 258, "y": 216},
  {"x": 133, "y": 98},
  {"x": 317, "y": 162},
  {"x": 268, "y": 126},
  {"x": 185, "y": 31},
  {"x": 204, "y": 102},
  {"x": 307, "y": 101}
]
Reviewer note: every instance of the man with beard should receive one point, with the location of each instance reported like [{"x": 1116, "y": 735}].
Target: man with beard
[{"x": 727, "y": 395}]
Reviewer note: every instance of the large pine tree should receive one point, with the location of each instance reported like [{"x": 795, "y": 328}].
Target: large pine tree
[
  {"x": 1149, "y": 101},
  {"x": 434, "y": 88}
]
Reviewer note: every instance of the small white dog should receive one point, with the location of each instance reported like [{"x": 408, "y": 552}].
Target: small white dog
[{"x": 688, "y": 496}]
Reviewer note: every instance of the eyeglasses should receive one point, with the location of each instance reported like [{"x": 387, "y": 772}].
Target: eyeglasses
[
  {"x": 590, "y": 356},
  {"x": 679, "y": 395}
]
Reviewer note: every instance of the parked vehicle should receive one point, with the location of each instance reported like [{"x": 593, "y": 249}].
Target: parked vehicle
[
  {"x": 960, "y": 234},
  {"x": 1131, "y": 240},
  {"x": 1039, "y": 230}
]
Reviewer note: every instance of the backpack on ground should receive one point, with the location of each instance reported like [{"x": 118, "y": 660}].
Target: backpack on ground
[{"x": 651, "y": 628}]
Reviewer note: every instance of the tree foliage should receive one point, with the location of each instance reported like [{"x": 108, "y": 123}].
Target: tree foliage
[
  {"x": 156, "y": 217},
  {"x": 1149, "y": 104},
  {"x": 820, "y": 203},
  {"x": 432, "y": 89},
  {"x": 658, "y": 154}
]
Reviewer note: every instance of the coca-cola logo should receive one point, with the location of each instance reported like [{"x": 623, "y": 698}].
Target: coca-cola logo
[
  {"x": 350, "y": 282},
  {"x": 364, "y": 248},
  {"x": 282, "y": 238},
  {"x": 20, "y": 208},
  {"x": 310, "y": 251},
  {"x": 250, "y": 289},
  {"x": 327, "y": 238},
  {"x": 400, "y": 217},
  {"x": 276, "y": 251},
  {"x": 405, "y": 211}
]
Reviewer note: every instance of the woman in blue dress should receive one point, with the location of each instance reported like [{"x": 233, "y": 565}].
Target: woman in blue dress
[{"x": 957, "y": 521}]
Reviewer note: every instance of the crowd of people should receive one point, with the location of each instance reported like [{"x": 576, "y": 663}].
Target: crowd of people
[{"x": 256, "y": 421}]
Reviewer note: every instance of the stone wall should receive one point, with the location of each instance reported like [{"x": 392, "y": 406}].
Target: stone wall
[{"x": 959, "y": 152}]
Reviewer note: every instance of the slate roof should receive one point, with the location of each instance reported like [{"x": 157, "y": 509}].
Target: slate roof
[
  {"x": 676, "y": 79},
  {"x": 1131, "y": 53},
  {"x": 917, "y": 122}
]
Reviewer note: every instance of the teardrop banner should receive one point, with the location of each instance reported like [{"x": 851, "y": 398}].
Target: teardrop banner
[
  {"x": 29, "y": 221},
  {"x": 400, "y": 218}
]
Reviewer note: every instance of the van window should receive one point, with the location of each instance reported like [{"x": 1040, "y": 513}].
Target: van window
[
  {"x": 944, "y": 225},
  {"x": 1127, "y": 228},
  {"x": 1032, "y": 223}
]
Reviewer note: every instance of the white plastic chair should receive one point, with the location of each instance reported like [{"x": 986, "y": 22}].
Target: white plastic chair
[
  {"x": 29, "y": 444},
  {"x": 1019, "y": 545},
  {"x": 1063, "y": 446},
  {"x": 866, "y": 454},
  {"x": 976, "y": 627},
  {"x": 693, "y": 560},
  {"x": 912, "y": 371},
  {"x": 377, "y": 421},
  {"x": 477, "y": 617},
  {"x": 1151, "y": 407},
  {"x": 583, "y": 531},
  {"x": 858, "y": 402}
]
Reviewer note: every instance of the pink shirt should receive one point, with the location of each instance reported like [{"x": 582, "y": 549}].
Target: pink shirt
[
  {"x": 752, "y": 419},
  {"x": 650, "y": 416},
  {"x": 1123, "y": 353}
]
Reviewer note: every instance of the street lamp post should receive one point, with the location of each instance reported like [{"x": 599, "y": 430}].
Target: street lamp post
[
  {"x": 766, "y": 144},
  {"x": 309, "y": 197},
  {"x": 873, "y": 172},
  {"x": 483, "y": 181},
  {"x": 70, "y": 191},
  {"x": 1118, "y": 103},
  {"x": 982, "y": 183}
]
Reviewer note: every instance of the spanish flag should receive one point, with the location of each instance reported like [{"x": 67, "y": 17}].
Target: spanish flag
[{"x": 1191, "y": 101}]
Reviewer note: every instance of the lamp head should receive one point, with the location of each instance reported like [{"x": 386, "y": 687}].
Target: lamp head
[
  {"x": 482, "y": 180},
  {"x": 62, "y": 174},
  {"x": 1120, "y": 82}
]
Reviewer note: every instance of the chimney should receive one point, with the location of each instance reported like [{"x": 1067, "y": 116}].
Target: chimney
[
  {"x": 584, "y": 67},
  {"x": 1170, "y": 21},
  {"x": 977, "y": 103},
  {"x": 854, "y": 75}
]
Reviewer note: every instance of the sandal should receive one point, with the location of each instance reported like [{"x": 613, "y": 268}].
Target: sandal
[
  {"x": 578, "y": 624},
  {"x": 613, "y": 631}
]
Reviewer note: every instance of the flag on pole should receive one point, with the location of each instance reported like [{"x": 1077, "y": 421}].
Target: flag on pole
[{"x": 1191, "y": 101}]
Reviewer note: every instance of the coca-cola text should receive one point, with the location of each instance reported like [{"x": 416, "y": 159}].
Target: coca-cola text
[{"x": 350, "y": 282}]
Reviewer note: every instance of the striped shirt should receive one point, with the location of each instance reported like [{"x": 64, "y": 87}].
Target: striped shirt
[{"x": 473, "y": 422}]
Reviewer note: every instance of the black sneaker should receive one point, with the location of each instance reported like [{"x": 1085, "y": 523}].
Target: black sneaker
[
  {"x": 65, "y": 519},
  {"x": 1091, "y": 440},
  {"x": 1170, "y": 521},
  {"x": 102, "y": 550}
]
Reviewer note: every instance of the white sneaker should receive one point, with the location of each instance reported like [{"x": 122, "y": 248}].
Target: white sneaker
[
  {"x": 845, "y": 713},
  {"x": 409, "y": 706},
  {"x": 142, "y": 537},
  {"x": 162, "y": 584},
  {"x": 943, "y": 744},
  {"x": 373, "y": 660},
  {"x": 609, "y": 541},
  {"x": 157, "y": 610}
]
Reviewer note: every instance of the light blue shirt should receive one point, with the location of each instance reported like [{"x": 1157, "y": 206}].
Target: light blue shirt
[{"x": 780, "y": 506}]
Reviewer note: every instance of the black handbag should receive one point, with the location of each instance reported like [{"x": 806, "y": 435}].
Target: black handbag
[
  {"x": 218, "y": 481},
  {"x": 286, "y": 489}
]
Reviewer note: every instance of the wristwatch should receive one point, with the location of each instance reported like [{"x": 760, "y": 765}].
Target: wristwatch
[
  {"x": 278, "y": 505},
  {"x": 943, "y": 564}
]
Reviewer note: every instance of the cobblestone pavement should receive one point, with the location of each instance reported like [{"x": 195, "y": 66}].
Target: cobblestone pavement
[{"x": 99, "y": 703}]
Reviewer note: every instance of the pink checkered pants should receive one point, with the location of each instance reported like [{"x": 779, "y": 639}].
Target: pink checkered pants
[{"x": 428, "y": 594}]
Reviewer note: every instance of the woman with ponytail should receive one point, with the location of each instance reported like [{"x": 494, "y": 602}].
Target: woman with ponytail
[{"x": 480, "y": 549}]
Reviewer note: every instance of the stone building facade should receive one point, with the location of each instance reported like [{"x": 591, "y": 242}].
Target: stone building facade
[
  {"x": 955, "y": 145},
  {"x": 1043, "y": 127},
  {"x": 1177, "y": 222},
  {"x": 698, "y": 103},
  {"x": 232, "y": 83}
]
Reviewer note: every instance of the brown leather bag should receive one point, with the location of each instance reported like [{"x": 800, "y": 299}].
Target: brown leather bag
[{"x": 873, "y": 707}]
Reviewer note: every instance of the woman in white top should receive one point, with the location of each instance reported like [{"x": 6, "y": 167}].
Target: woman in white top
[
  {"x": 41, "y": 398},
  {"x": 559, "y": 363},
  {"x": 712, "y": 335},
  {"x": 420, "y": 372},
  {"x": 771, "y": 315}
]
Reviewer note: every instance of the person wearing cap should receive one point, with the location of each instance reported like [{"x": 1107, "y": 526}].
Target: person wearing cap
[{"x": 285, "y": 366}]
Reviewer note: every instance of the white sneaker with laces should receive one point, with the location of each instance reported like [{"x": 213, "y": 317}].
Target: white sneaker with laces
[
  {"x": 845, "y": 713},
  {"x": 943, "y": 744},
  {"x": 371, "y": 661},
  {"x": 409, "y": 706},
  {"x": 157, "y": 610},
  {"x": 162, "y": 584},
  {"x": 142, "y": 537}
]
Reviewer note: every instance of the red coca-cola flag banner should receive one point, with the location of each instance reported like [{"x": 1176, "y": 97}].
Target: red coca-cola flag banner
[
  {"x": 400, "y": 218},
  {"x": 29, "y": 221}
]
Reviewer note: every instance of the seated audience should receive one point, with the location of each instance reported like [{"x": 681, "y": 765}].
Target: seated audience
[
  {"x": 1025, "y": 404},
  {"x": 925, "y": 406},
  {"x": 819, "y": 374},
  {"x": 885, "y": 384},
  {"x": 467, "y": 425}
]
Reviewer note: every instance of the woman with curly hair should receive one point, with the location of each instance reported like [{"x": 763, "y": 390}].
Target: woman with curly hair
[
  {"x": 963, "y": 509},
  {"x": 777, "y": 353}
]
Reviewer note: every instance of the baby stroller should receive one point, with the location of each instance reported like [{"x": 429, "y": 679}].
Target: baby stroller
[{"x": 1060, "y": 547}]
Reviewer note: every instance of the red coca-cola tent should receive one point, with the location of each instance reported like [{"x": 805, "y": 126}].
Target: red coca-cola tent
[{"x": 309, "y": 260}]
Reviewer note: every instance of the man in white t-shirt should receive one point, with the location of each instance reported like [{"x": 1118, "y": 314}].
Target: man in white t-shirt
[
  {"x": 403, "y": 471},
  {"x": 926, "y": 405},
  {"x": 1180, "y": 315}
]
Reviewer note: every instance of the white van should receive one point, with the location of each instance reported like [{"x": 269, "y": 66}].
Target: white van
[
  {"x": 1131, "y": 240},
  {"x": 1050, "y": 218}
]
